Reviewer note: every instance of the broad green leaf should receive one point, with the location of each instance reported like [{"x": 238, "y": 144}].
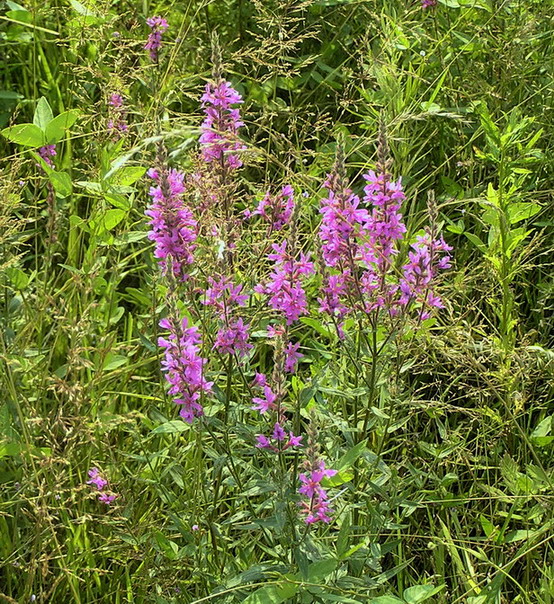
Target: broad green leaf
[
  {"x": 420, "y": 593},
  {"x": 320, "y": 570},
  {"x": 113, "y": 361},
  {"x": 386, "y": 600},
  {"x": 351, "y": 456},
  {"x": 519, "y": 535},
  {"x": 18, "y": 279},
  {"x": 81, "y": 9},
  {"x": 522, "y": 211},
  {"x": 477, "y": 242},
  {"x": 14, "y": 6},
  {"x": 55, "y": 130},
  {"x": 272, "y": 594},
  {"x": 128, "y": 175},
  {"x": 9, "y": 449},
  {"x": 173, "y": 427},
  {"x": 43, "y": 114},
  {"x": 540, "y": 434},
  {"x": 109, "y": 220},
  {"x": 487, "y": 525},
  {"x": 61, "y": 181},
  {"x": 29, "y": 135}
]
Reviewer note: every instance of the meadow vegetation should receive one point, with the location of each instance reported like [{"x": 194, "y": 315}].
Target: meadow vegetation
[{"x": 277, "y": 292}]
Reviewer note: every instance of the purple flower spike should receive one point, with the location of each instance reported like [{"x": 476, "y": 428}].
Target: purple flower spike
[
  {"x": 158, "y": 26},
  {"x": 47, "y": 152},
  {"x": 277, "y": 209},
  {"x": 219, "y": 138},
  {"x": 316, "y": 506},
  {"x": 96, "y": 479},
  {"x": 184, "y": 368},
  {"x": 284, "y": 286},
  {"x": 107, "y": 499},
  {"x": 173, "y": 226}
]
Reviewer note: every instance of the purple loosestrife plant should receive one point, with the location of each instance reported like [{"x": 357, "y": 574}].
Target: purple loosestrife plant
[
  {"x": 277, "y": 209},
  {"x": 117, "y": 123},
  {"x": 225, "y": 297},
  {"x": 98, "y": 481},
  {"x": 219, "y": 139},
  {"x": 425, "y": 4},
  {"x": 428, "y": 256},
  {"x": 184, "y": 367},
  {"x": 157, "y": 25},
  {"x": 284, "y": 286},
  {"x": 173, "y": 226},
  {"x": 47, "y": 152},
  {"x": 315, "y": 500}
]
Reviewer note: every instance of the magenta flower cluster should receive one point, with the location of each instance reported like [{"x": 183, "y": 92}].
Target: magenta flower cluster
[
  {"x": 316, "y": 503},
  {"x": 219, "y": 139},
  {"x": 428, "y": 3},
  {"x": 97, "y": 480},
  {"x": 225, "y": 297},
  {"x": 269, "y": 402},
  {"x": 275, "y": 209},
  {"x": 361, "y": 243},
  {"x": 365, "y": 268},
  {"x": 117, "y": 123},
  {"x": 157, "y": 25},
  {"x": 173, "y": 226},
  {"x": 184, "y": 367},
  {"x": 47, "y": 152},
  {"x": 284, "y": 286}
]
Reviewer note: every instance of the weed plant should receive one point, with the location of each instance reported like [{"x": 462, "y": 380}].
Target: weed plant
[{"x": 359, "y": 421}]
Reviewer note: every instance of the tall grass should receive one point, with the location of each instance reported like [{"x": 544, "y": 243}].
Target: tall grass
[{"x": 445, "y": 462}]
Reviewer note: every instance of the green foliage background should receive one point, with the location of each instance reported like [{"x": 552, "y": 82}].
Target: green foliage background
[{"x": 453, "y": 495}]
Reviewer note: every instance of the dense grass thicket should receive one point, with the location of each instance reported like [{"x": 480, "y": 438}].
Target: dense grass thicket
[{"x": 232, "y": 368}]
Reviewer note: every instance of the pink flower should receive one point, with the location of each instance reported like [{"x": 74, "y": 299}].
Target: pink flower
[
  {"x": 292, "y": 356},
  {"x": 219, "y": 138},
  {"x": 158, "y": 26},
  {"x": 265, "y": 403},
  {"x": 276, "y": 209},
  {"x": 107, "y": 499},
  {"x": 173, "y": 226},
  {"x": 316, "y": 507},
  {"x": 284, "y": 286},
  {"x": 233, "y": 338},
  {"x": 96, "y": 479},
  {"x": 184, "y": 367}
]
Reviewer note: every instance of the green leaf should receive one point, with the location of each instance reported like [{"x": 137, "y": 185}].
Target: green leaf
[
  {"x": 55, "y": 130},
  {"x": 18, "y": 279},
  {"x": 43, "y": 114},
  {"x": 108, "y": 220},
  {"x": 351, "y": 456},
  {"x": 272, "y": 594},
  {"x": 113, "y": 361},
  {"x": 81, "y": 9},
  {"x": 61, "y": 181},
  {"x": 477, "y": 242},
  {"x": 386, "y": 600},
  {"x": 10, "y": 449},
  {"x": 320, "y": 570},
  {"x": 128, "y": 175},
  {"x": 540, "y": 434},
  {"x": 522, "y": 211},
  {"x": 519, "y": 535},
  {"x": 28, "y": 135},
  {"x": 420, "y": 593},
  {"x": 173, "y": 427}
]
